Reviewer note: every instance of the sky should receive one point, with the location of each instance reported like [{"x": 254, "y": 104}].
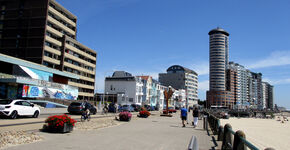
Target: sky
[{"x": 145, "y": 37}]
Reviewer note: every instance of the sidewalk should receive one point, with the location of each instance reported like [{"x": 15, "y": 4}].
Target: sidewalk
[{"x": 155, "y": 132}]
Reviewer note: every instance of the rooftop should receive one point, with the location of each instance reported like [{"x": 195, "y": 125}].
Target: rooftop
[{"x": 218, "y": 30}]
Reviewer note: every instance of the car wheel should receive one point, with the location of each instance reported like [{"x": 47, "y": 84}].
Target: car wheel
[
  {"x": 95, "y": 111},
  {"x": 36, "y": 114},
  {"x": 14, "y": 114}
]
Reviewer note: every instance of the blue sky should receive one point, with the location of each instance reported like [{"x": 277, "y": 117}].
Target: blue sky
[{"x": 147, "y": 36}]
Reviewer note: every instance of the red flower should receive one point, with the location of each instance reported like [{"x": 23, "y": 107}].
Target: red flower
[{"x": 58, "y": 121}]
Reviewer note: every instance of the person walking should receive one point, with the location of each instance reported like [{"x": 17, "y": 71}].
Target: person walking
[
  {"x": 195, "y": 114},
  {"x": 183, "y": 115}
]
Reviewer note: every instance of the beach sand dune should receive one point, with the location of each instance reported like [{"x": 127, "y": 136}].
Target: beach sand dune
[{"x": 263, "y": 133}]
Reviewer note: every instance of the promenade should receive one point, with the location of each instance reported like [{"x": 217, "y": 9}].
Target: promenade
[{"x": 153, "y": 133}]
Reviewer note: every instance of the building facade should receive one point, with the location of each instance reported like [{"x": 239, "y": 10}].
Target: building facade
[
  {"x": 268, "y": 101},
  {"x": 44, "y": 32},
  {"x": 219, "y": 93},
  {"x": 20, "y": 79},
  {"x": 242, "y": 86},
  {"x": 180, "y": 77},
  {"x": 127, "y": 87},
  {"x": 218, "y": 59},
  {"x": 146, "y": 89}
]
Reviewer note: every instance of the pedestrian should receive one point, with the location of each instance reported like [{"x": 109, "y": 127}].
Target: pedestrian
[
  {"x": 116, "y": 107},
  {"x": 183, "y": 115},
  {"x": 195, "y": 114}
]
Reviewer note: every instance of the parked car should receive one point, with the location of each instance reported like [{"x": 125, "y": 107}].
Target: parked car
[
  {"x": 15, "y": 108},
  {"x": 148, "y": 107},
  {"x": 136, "y": 107},
  {"x": 112, "y": 108},
  {"x": 171, "y": 109},
  {"x": 126, "y": 108},
  {"x": 77, "y": 107}
]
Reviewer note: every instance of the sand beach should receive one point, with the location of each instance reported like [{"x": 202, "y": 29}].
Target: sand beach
[{"x": 263, "y": 133}]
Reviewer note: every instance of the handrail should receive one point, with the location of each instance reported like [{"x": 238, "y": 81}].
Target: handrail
[
  {"x": 249, "y": 145},
  {"x": 225, "y": 134},
  {"x": 232, "y": 131}
]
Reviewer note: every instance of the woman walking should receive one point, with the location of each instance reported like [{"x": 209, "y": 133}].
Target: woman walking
[{"x": 195, "y": 114}]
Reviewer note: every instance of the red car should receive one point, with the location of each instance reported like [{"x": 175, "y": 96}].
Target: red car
[{"x": 170, "y": 110}]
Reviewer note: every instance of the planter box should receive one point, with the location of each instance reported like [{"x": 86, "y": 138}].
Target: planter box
[
  {"x": 123, "y": 119},
  {"x": 66, "y": 128},
  {"x": 143, "y": 116}
]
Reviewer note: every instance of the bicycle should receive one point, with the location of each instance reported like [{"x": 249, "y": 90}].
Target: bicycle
[
  {"x": 86, "y": 115},
  {"x": 105, "y": 110}
]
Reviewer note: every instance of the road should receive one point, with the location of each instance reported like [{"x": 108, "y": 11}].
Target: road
[
  {"x": 28, "y": 123},
  {"x": 153, "y": 133}
]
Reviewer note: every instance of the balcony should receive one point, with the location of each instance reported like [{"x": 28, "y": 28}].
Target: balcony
[
  {"x": 80, "y": 52},
  {"x": 61, "y": 16},
  {"x": 54, "y": 21},
  {"x": 51, "y": 60}
]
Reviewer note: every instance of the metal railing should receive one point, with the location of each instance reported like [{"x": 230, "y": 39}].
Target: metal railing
[{"x": 231, "y": 140}]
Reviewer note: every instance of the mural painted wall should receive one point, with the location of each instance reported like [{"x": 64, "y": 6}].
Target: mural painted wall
[{"x": 66, "y": 92}]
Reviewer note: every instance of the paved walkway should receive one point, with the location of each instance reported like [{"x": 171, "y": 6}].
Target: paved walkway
[{"x": 153, "y": 133}]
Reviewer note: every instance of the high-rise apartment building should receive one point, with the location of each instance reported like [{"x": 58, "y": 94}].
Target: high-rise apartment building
[
  {"x": 242, "y": 87},
  {"x": 268, "y": 102},
  {"x": 219, "y": 94},
  {"x": 44, "y": 32},
  {"x": 256, "y": 91},
  {"x": 218, "y": 58},
  {"x": 180, "y": 77}
]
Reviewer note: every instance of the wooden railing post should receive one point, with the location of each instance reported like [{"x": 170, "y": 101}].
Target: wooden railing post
[
  {"x": 269, "y": 148},
  {"x": 220, "y": 133},
  {"x": 227, "y": 138},
  {"x": 238, "y": 143}
]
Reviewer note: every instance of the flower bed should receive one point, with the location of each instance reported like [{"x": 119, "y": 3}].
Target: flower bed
[
  {"x": 59, "y": 123},
  {"x": 144, "y": 114},
  {"x": 125, "y": 116}
]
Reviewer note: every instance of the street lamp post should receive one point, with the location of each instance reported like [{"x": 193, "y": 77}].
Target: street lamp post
[{"x": 186, "y": 101}]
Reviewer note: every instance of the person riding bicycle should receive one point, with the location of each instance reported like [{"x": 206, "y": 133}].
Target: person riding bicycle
[
  {"x": 86, "y": 109},
  {"x": 106, "y": 108}
]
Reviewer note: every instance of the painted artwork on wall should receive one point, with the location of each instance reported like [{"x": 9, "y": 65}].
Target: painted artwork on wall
[{"x": 67, "y": 92}]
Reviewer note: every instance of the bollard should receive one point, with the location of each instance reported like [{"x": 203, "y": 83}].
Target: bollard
[
  {"x": 193, "y": 145},
  {"x": 220, "y": 133},
  {"x": 238, "y": 143},
  {"x": 227, "y": 138},
  {"x": 269, "y": 148},
  {"x": 204, "y": 122}
]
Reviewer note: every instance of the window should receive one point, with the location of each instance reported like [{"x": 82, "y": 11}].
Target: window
[
  {"x": 25, "y": 103},
  {"x": 17, "y": 103}
]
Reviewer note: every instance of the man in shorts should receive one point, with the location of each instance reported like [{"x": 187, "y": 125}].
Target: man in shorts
[{"x": 183, "y": 115}]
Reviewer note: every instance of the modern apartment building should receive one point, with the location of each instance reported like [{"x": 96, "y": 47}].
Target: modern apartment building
[
  {"x": 180, "y": 77},
  {"x": 218, "y": 59},
  {"x": 44, "y": 32},
  {"x": 242, "y": 87},
  {"x": 256, "y": 91},
  {"x": 219, "y": 94}
]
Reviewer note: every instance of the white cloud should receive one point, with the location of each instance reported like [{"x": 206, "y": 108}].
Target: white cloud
[
  {"x": 201, "y": 69},
  {"x": 203, "y": 85},
  {"x": 277, "y": 58},
  {"x": 277, "y": 82}
]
